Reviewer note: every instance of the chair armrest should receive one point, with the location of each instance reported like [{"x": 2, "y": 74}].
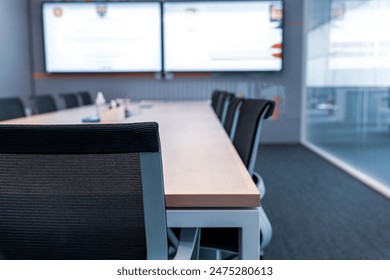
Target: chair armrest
[{"x": 188, "y": 247}]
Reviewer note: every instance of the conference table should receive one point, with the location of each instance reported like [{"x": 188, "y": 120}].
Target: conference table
[{"x": 206, "y": 183}]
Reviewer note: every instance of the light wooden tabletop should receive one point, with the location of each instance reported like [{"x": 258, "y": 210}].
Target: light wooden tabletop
[{"x": 201, "y": 166}]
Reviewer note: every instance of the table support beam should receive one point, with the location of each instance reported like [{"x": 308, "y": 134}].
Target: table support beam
[{"x": 245, "y": 218}]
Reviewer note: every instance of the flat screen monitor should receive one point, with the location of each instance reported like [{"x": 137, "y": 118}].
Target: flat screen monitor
[
  {"x": 102, "y": 37},
  {"x": 223, "y": 36}
]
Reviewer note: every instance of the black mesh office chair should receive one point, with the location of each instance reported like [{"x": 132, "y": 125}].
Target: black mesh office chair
[
  {"x": 43, "y": 103},
  {"x": 246, "y": 141},
  {"x": 232, "y": 116},
  {"x": 10, "y": 108},
  {"x": 248, "y": 129},
  {"x": 214, "y": 99},
  {"x": 85, "y": 192},
  {"x": 85, "y": 98},
  {"x": 70, "y": 100},
  {"x": 223, "y": 103}
]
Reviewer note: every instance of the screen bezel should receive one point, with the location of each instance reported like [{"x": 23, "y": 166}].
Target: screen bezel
[
  {"x": 99, "y": 72},
  {"x": 222, "y": 70},
  {"x": 162, "y": 47}
]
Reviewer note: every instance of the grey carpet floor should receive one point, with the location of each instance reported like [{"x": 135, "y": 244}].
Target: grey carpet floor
[{"x": 318, "y": 211}]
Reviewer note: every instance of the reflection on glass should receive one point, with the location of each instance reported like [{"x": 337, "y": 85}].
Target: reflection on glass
[{"x": 348, "y": 83}]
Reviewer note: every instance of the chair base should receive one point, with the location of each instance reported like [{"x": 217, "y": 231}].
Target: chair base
[{"x": 212, "y": 253}]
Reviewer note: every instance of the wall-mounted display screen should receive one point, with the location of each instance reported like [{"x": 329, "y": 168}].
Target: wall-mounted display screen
[
  {"x": 223, "y": 36},
  {"x": 102, "y": 37}
]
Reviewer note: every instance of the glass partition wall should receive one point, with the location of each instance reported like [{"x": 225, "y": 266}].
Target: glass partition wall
[{"x": 347, "y": 103}]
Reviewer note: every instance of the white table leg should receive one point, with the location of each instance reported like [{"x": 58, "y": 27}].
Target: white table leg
[{"x": 250, "y": 237}]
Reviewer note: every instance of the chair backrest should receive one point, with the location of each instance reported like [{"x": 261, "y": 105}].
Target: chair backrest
[
  {"x": 85, "y": 98},
  {"x": 81, "y": 192},
  {"x": 70, "y": 100},
  {"x": 43, "y": 103},
  {"x": 232, "y": 116},
  {"x": 215, "y": 98},
  {"x": 10, "y": 108},
  {"x": 223, "y": 103},
  {"x": 247, "y": 135}
]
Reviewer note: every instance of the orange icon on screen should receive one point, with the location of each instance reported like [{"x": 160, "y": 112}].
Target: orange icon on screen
[
  {"x": 276, "y": 13},
  {"x": 277, "y": 47},
  {"x": 57, "y": 12}
]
